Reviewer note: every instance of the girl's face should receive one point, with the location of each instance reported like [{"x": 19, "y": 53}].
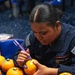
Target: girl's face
[{"x": 44, "y": 33}]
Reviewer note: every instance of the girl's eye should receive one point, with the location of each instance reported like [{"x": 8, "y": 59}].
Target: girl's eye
[{"x": 43, "y": 33}]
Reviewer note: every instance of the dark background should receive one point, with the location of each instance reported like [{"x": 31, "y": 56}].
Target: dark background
[{"x": 20, "y": 26}]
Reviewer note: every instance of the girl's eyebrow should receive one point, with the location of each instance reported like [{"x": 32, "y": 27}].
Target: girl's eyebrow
[{"x": 39, "y": 32}]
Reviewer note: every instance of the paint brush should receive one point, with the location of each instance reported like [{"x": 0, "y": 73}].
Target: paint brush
[{"x": 17, "y": 44}]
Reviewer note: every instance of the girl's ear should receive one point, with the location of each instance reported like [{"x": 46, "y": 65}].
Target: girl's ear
[{"x": 58, "y": 25}]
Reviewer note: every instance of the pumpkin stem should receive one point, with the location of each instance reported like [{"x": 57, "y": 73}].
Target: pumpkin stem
[
  {"x": 15, "y": 68},
  {"x": 8, "y": 59}
]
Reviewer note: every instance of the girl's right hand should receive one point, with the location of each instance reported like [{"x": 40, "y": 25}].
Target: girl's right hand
[{"x": 23, "y": 56}]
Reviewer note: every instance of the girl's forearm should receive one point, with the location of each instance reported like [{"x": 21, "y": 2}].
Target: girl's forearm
[{"x": 52, "y": 71}]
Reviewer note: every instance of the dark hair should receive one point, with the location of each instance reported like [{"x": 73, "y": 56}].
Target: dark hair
[{"x": 44, "y": 13}]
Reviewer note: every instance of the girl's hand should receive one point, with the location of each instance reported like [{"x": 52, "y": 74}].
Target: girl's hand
[
  {"x": 23, "y": 57},
  {"x": 43, "y": 70}
]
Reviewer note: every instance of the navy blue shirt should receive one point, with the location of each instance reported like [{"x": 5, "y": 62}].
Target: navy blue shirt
[{"x": 61, "y": 54}]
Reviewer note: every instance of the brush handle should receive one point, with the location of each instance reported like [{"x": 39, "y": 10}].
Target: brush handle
[{"x": 21, "y": 47}]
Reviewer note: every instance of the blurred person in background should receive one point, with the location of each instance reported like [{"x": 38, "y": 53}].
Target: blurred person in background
[
  {"x": 4, "y": 5},
  {"x": 16, "y": 7}
]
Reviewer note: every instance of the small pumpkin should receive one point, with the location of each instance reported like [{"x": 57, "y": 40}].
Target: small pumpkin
[
  {"x": 14, "y": 71},
  {"x": 7, "y": 64},
  {"x": 2, "y": 58},
  {"x": 31, "y": 68},
  {"x": 65, "y": 73}
]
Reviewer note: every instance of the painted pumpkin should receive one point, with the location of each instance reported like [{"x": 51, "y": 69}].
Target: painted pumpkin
[{"x": 31, "y": 68}]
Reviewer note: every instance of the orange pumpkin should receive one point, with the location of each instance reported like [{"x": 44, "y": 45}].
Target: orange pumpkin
[
  {"x": 14, "y": 71},
  {"x": 65, "y": 73},
  {"x": 1, "y": 60},
  {"x": 31, "y": 68},
  {"x": 7, "y": 64}
]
